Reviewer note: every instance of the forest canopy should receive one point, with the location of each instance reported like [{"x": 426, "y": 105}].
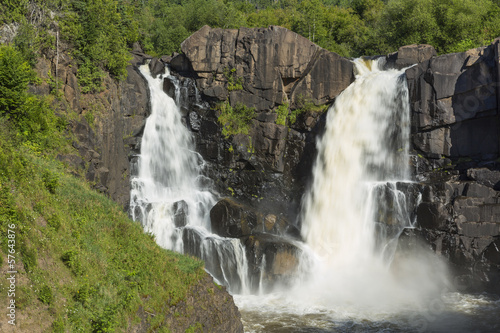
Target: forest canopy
[{"x": 103, "y": 31}]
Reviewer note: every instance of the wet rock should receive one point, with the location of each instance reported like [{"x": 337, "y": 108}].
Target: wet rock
[
  {"x": 272, "y": 260},
  {"x": 486, "y": 177},
  {"x": 194, "y": 121},
  {"x": 431, "y": 215},
  {"x": 169, "y": 87},
  {"x": 180, "y": 210},
  {"x": 156, "y": 67},
  {"x": 230, "y": 219}
]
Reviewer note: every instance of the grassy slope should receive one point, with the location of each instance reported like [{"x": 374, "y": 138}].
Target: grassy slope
[{"x": 83, "y": 265}]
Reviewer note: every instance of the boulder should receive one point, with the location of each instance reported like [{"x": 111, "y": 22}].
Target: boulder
[
  {"x": 230, "y": 219},
  {"x": 156, "y": 67},
  {"x": 272, "y": 260},
  {"x": 486, "y": 177},
  {"x": 180, "y": 210},
  {"x": 413, "y": 54}
]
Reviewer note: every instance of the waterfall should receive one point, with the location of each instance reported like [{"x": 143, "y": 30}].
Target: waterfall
[
  {"x": 171, "y": 197},
  {"x": 355, "y": 209},
  {"x": 364, "y": 148}
]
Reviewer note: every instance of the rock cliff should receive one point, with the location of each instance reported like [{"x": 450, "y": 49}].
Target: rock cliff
[{"x": 455, "y": 137}]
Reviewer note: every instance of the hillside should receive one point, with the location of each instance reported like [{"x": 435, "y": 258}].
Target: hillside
[{"x": 81, "y": 265}]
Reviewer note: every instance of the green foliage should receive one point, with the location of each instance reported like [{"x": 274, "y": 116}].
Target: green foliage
[
  {"x": 29, "y": 257},
  {"x": 112, "y": 267},
  {"x": 54, "y": 222},
  {"x": 90, "y": 77},
  {"x": 58, "y": 325},
  {"x": 45, "y": 294},
  {"x": 72, "y": 260},
  {"x": 448, "y": 25},
  {"x": 32, "y": 116},
  {"x": 50, "y": 180},
  {"x": 233, "y": 82},
  {"x": 198, "y": 327},
  {"x": 282, "y": 112},
  {"x": 13, "y": 10},
  {"x": 235, "y": 120},
  {"x": 101, "y": 31},
  {"x": 15, "y": 75}
]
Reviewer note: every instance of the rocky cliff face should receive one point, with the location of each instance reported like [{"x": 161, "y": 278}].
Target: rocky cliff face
[
  {"x": 273, "y": 67},
  {"x": 263, "y": 174},
  {"x": 106, "y": 125},
  {"x": 455, "y": 138}
]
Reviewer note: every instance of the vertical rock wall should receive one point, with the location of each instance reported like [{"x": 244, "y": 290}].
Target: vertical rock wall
[{"x": 455, "y": 136}]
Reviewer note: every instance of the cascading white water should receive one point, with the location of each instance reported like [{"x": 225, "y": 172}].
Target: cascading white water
[
  {"x": 364, "y": 146},
  {"x": 172, "y": 199},
  {"x": 352, "y": 217},
  {"x": 361, "y": 157}
]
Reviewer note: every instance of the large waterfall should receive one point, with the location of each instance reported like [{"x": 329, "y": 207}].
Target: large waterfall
[
  {"x": 364, "y": 149},
  {"x": 355, "y": 211}
]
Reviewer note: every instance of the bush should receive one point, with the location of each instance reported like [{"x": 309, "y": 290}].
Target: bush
[
  {"x": 235, "y": 120},
  {"x": 72, "y": 261},
  {"x": 50, "y": 180},
  {"x": 15, "y": 75},
  {"x": 282, "y": 112},
  {"x": 45, "y": 294},
  {"x": 102, "y": 31}
]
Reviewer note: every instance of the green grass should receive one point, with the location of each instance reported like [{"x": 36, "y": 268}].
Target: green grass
[{"x": 83, "y": 265}]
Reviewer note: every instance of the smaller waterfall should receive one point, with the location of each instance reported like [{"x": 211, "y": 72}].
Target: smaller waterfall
[{"x": 172, "y": 199}]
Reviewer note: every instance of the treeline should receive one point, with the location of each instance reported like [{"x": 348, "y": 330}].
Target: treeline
[
  {"x": 102, "y": 31},
  {"x": 349, "y": 27}
]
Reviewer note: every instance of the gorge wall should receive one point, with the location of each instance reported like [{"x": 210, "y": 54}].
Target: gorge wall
[
  {"x": 261, "y": 176},
  {"x": 455, "y": 141}
]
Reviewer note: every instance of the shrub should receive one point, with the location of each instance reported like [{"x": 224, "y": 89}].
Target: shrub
[
  {"x": 233, "y": 82},
  {"x": 45, "y": 294},
  {"x": 50, "y": 180},
  {"x": 235, "y": 120},
  {"x": 282, "y": 112},
  {"x": 72, "y": 261}
]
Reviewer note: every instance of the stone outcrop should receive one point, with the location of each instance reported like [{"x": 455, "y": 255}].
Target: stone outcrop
[
  {"x": 264, "y": 69},
  {"x": 453, "y": 97},
  {"x": 208, "y": 308},
  {"x": 455, "y": 137},
  {"x": 108, "y": 125},
  {"x": 276, "y": 66},
  {"x": 272, "y": 260},
  {"x": 232, "y": 219}
]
